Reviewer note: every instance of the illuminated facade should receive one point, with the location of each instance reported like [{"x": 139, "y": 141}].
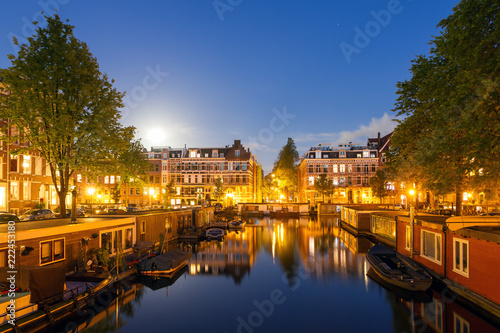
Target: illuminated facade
[
  {"x": 194, "y": 171},
  {"x": 349, "y": 166},
  {"x": 25, "y": 179}
]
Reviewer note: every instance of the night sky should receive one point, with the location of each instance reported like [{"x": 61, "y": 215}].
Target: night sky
[{"x": 204, "y": 73}]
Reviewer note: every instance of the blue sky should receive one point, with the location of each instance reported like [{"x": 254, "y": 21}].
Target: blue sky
[{"x": 204, "y": 73}]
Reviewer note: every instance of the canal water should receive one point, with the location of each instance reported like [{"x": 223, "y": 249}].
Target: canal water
[{"x": 279, "y": 275}]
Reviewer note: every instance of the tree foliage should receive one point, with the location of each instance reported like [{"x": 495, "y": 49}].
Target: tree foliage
[
  {"x": 323, "y": 185},
  {"x": 169, "y": 193},
  {"x": 62, "y": 104},
  {"x": 285, "y": 168},
  {"x": 219, "y": 189},
  {"x": 451, "y": 131},
  {"x": 378, "y": 184}
]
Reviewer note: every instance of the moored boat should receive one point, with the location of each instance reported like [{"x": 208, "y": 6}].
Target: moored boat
[
  {"x": 397, "y": 269},
  {"x": 215, "y": 233},
  {"x": 39, "y": 311},
  {"x": 236, "y": 224},
  {"x": 165, "y": 263}
]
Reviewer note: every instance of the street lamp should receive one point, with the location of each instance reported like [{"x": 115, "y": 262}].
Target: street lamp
[{"x": 151, "y": 192}]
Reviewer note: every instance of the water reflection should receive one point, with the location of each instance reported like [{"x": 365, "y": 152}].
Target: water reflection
[
  {"x": 231, "y": 276},
  {"x": 233, "y": 257}
]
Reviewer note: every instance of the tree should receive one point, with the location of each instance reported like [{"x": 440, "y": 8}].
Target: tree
[
  {"x": 131, "y": 166},
  {"x": 451, "y": 133},
  {"x": 323, "y": 185},
  {"x": 285, "y": 168},
  {"x": 219, "y": 189},
  {"x": 378, "y": 183},
  {"x": 62, "y": 104},
  {"x": 169, "y": 193}
]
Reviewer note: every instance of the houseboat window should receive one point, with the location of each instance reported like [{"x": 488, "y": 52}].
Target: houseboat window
[
  {"x": 128, "y": 238},
  {"x": 461, "y": 256},
  {"x": 461, "y": 325},
  {"x": 51, "y": 251},
  {"x": 408, "y": 238},
  {"x": 431, "y": 246},
  {"x": 106, "y": 240}
]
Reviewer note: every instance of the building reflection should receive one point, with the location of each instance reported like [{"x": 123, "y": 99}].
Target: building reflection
[
  {"x": 444, "y": 313},
  {"x": 234, "y": 256},
  {"x": 327, "y": 250}
]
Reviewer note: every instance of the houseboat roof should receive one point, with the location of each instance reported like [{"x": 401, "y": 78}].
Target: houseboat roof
[
  {"x": 42, "y": 228},
  {"x": 488, "y": 233},
  {"x": 459, "y": 222}
]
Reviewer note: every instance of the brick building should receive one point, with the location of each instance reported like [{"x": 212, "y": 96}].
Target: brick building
[{"x": 349, "y": 166}]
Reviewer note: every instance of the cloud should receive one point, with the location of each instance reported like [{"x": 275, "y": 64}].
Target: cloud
[{"x": 384, "y": 125}]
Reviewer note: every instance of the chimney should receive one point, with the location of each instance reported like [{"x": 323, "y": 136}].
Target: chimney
[{"x": 378, "y": 140}]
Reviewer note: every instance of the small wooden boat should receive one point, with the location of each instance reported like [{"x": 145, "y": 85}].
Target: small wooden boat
[
  {"x": 44, "y": 313},
  {"x": 397, "y": 269},
  {"x": 218, "y": 224},
  {"x": 236, "y": 224},
  {"x": 165, "y": 263}
]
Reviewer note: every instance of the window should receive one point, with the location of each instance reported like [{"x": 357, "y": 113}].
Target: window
[
  {"x": 192, "y": 154},
  {"x": 237, "y": 153},
  {"x": 221, "y": 154},
  {"x": 460, "y": 324},
  {"x": 244, "y": 166},
  {"x": 342, "y": 168},
  {"x": 431, "y": 246},
  {"x": 106, "y": 180},
  {"x": 461, "y": 256},
  {"x": 366, "y": 153},
  {"x": 310, "y": 168},
  {"x": 408, "y": 238},
  {"x": 335, "y": 168},
  {"x": 311, "y": 180},
  {"x": 318, "y": 168},
  {"x": 26, "y": 191},
  {"x": 14, "y": 190},
  {"x": 51, "y": 251},
  {"x": 335, "y": 181},
  {"x": 325, "y": 168},
  {"x": 26, "y": 164}
]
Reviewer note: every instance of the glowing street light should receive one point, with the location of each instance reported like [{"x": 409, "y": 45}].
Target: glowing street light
[{"x": 91, "y": 192}]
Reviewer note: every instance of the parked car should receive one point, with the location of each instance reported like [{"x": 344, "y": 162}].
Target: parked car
[
  {"x": 7, "y": 217},
  {"x": 80, "y": 211},
  {"x": 37, "y": 214},
  {"x": 399, "y": 206}
]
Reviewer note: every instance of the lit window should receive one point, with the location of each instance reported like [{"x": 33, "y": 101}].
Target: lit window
[
  {"x": 342, "y": 168},
  {"x": 112, "y": 179},
  {"x": 431, "y": 246},
  {"x": 51, "y": 251},
  {"x": 311, "y": 180},
  {"x": 461, "y": 256},
  {"x": 26, "y": 164},
  {"x": 106, "y": 180}
]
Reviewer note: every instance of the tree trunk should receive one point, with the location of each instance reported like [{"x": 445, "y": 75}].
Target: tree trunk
[
  {"x": 458, "y": 199},
  {"x": 62, "y": 203}
]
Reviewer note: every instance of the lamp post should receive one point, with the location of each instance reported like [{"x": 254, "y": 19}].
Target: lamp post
[
  {"x": 73, "y": 205},
  {"x": 91, "y": 192},
  {"x": 412, "y": 222}
]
